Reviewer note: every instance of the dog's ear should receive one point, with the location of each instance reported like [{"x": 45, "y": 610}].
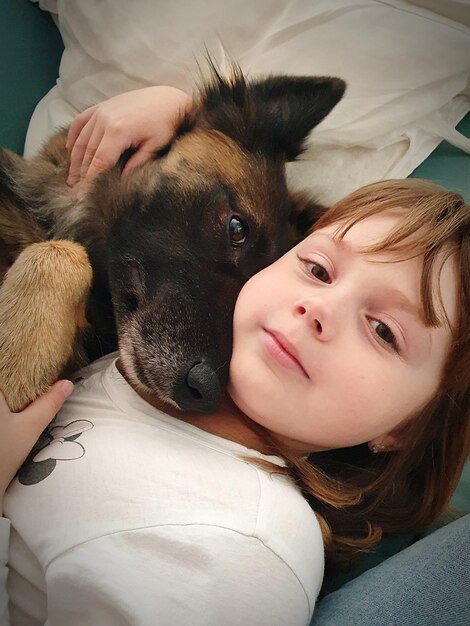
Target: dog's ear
[
  {"x": 273, "y": 115},
  {"x": 291, "y": 107},
  {"x": 303, "y": 215}
]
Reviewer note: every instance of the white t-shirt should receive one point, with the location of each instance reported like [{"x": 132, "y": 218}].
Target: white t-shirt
[{"x": 131, "y": 516}]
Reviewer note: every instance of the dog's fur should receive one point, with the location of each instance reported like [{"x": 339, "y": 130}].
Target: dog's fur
[
  {"x": 42, "y": 311},
  {"x": 172, "y": 243}
]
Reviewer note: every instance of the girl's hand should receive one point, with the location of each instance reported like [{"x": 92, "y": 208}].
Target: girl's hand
[
  {"x": 20, "y": 431},
  {"x": 144, "y": 119}
]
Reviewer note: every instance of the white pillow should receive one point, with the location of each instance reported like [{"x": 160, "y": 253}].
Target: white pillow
[{"x": 407, "y": 69}]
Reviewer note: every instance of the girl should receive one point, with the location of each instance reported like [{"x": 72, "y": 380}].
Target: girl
[{"x": 349, "y": 387}]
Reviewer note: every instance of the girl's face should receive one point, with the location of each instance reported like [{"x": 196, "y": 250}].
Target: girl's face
[{"x": 330, "y": 346}]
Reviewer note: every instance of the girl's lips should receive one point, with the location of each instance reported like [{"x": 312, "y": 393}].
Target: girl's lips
[{"x": 278, "y": 348}]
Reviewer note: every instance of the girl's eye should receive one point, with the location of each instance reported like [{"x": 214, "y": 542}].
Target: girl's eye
[
  {"x": 237, "y": 231},
  {"x": 385, "y": 334},
  {"x": 319, "y": 272}
]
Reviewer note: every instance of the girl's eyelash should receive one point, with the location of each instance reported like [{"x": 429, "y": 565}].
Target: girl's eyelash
[
  {"x": 310, "y": 262},
  {"x": 393, "y": 344}
]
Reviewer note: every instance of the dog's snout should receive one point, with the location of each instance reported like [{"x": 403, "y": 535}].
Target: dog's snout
[{"x": 199, "y": 389}]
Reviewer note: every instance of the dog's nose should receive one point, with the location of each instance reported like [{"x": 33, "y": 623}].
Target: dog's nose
[{"x": 199, "y": 390}]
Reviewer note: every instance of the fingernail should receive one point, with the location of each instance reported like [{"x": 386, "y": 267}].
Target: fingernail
[{"x": 66, "y": 386}]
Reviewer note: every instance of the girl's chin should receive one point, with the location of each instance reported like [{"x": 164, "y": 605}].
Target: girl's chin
[
  {"x": 231, "y": 394},
  {"x": 239, "y": 401}
]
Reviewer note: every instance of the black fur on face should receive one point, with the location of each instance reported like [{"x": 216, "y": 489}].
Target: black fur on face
[{"x": 175, "y": 274}]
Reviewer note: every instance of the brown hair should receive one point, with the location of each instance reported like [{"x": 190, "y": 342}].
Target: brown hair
[{"x": 358, "y": 495}]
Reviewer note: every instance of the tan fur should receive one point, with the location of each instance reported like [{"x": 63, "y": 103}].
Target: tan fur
[
  {"x": 212, "y": 150},
  {"x": 42, "y": 305}
]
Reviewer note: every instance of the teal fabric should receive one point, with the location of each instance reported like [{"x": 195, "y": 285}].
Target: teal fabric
[
  {"x": 30, "y": 51},
  {"x": 449, "y": 166},
  {"x": 461, "y": 498}
]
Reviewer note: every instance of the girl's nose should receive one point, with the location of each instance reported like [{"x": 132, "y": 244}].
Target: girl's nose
[{"x": 317, "y": 316}]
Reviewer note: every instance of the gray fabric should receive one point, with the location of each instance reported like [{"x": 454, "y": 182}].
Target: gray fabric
[{"x": 427, "y": 584}]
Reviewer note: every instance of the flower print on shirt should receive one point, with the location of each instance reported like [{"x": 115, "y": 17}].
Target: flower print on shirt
[{"x": 57, "y": 443}]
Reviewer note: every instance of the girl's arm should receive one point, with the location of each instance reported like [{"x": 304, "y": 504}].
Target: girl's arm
[
  {"x": 18, "y": 434},
  {"x": 144, "y": 119}
]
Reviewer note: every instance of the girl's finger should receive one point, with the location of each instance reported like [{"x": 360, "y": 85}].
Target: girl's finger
[
  {"x": 106, "y": 155},
  {"x": 78, "y": 151},
  {"x": 76, "y": 126},
  {"x": 143, "y": 155},
  {"x": 40, "y": 413},
  {"x": 94, "y": 142}
]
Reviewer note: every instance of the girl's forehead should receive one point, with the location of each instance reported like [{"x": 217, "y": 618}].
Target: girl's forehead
[
  {"x": 359, "y": 239},
  {"x": 366, "y": 232}
]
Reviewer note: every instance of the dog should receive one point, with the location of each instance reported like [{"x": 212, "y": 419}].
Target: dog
[{"x": 170, "y": 244}]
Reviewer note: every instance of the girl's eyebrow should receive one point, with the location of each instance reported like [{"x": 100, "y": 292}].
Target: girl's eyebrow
[
  {"x": 405, "y": 304},
  {"x": 341, "y": 244}
]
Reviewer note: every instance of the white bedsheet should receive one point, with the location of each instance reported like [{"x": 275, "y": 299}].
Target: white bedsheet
[{"x": 407, "y": 69}]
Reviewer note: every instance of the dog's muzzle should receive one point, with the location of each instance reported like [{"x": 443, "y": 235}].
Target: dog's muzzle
[{"x": 199, "y": 389}]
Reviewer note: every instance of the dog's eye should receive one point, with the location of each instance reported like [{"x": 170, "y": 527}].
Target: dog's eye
[
  {"x": 237, "y": 231},
  {"x": 133, "y": 291},
  {"x": 130, "y": 301}
]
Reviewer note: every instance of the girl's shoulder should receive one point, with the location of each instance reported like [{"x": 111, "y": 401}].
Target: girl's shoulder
[{"x": 287, "y": 525}]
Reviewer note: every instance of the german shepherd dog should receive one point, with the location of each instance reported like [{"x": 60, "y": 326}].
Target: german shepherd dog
[{"x": 170, "y": 244}]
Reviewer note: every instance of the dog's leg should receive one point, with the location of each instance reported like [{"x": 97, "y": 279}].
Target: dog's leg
[{"x": 42, "y": 313}]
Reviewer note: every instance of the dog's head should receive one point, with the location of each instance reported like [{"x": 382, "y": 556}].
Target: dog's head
[{"x": 194, "y": 224}]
